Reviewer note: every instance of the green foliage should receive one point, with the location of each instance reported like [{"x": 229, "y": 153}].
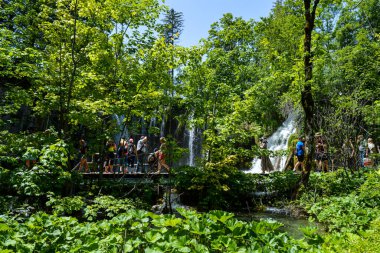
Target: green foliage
[
  {"x": 48, "y": 174},
  {"x": 137, "y": 230},
  {"x": 223, "y": 186},
  {"x": 74, "y": 64},
  {"x": 336, "y": 183},
  {"x": 210, "y": 183},
  {"x": 369, "y": 191},
  {"x": 365, "y": 241},
  {"x": 173, "y": 151},
  {"x": 345, "y": 214},
  {"x": 344, "y": 205},
  {"x": 66, "y": 205},
  {"x": 107, "y": 206}
]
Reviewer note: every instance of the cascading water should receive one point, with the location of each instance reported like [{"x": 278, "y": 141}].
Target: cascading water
[
  {"x": 191, "y": 146},
  {"x": 277, "y": 141},
  {"x": 123, "y": 130},
  {"x": 162, "y": 129},
  {"x": 152, "y": 122},
  {"x": 194, "y": 140}
]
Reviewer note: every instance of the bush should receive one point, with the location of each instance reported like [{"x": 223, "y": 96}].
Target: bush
[
  {"x": 344, "y": 208},
  {"x": 219, "y": 186},
  {"x": 141, "y": 231}
]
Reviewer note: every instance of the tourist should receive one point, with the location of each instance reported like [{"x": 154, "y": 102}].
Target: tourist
[
  {"x": 370, "y": 150},
  {"x": 321, "y": 156},
  {"x": 266, "y": 164},
  {"x": 142, "y": 152},
  {"x": 161, "y": 153},
  {"x": 300, "y": 153},
  {"x": 131, "y": 154},
  {"x": 362, "y": 145},
  {"x": 110, "y": 149},
  {"x": 121, "y": 154},
  {"x": 153, "y": 160},
  {"x": 348, "y": 152},
  {"x": 83, "y": 153}
]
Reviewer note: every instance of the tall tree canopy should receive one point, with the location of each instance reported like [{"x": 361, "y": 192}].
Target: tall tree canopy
[{"x": 72, "y": 65}]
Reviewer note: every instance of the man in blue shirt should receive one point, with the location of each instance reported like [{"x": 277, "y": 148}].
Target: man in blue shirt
[{"x": 300, "y": 153}]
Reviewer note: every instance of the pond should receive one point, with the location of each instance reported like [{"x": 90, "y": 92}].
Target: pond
[{"x": 292, "y": 224}]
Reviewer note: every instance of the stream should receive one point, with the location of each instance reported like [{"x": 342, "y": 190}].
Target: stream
[{"x": 291, "y": 224}]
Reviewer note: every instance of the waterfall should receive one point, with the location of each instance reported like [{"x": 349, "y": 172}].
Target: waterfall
[
  {"x": 163, "y": 126},
  {"x": 122, "y": 131},
  {"x": 191, "y": 146},
  {"x": 152, "y": 122},
  {"x": 194, "y": 141},
  {"x": 277, "y": 141}
]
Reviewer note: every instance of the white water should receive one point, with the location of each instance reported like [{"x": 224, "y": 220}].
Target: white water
[
  {"x": 277, "y": 141},
  {"x": 191, "y": 146},
  {"x": 152, "y": 122},
  {"x": 120, "y": 124},
  {"x": 162, "y": 129}
]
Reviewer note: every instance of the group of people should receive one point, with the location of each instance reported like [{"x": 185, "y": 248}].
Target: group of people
[
  {"x": 356, "y": 154},
  {"x": 126, "y": 154}
]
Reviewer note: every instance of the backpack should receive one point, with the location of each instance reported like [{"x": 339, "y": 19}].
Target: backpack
[
  {"x": 131, "y": 149},
  {"x": 120, "y": 151},
  {"x": 141, "y": 148}
]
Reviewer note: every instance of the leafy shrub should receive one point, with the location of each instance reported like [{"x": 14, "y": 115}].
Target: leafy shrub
[
  {"x": 322, "y": 185},
  {"x": 349, "y": 208},
  {"x": 66, "y": 205},
  {"x": 344, "y": 214},
  {"x": 141, "y": 231},
  {"x": 335, "y": 183},
  {"x": 107, "y": 206},
  {"x": 48, "y": 174},
  {"x": 219, "y": 186},
  {"x": 370, "y": 190}
]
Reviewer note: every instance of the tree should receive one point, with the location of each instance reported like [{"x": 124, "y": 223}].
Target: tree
[
  {"x": 306, "y": 95},
  {"x": 215, "y": 80},
  {"x": 172, "y": 26}
]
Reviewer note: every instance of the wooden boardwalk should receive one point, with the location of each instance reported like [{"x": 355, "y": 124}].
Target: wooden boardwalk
[{"x": 139, "y": 175}]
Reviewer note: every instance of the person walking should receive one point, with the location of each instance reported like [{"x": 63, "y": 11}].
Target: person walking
[
  {"x": 348, "y": 152},
  {"x": 142, "y": 151},
  {"x": 266, "y": 164},
  {"x": 161, "y": 154},
  {"x": 83, "y": 149},
  {"x": 131, "y": 155},
  {"x": 300, "y": 153},
  {"x": 321, "y": 156},
  {"x": 121, "y": 155},
  {"x": 362, "y": 145},
  {"x": 110, "y": 149}
]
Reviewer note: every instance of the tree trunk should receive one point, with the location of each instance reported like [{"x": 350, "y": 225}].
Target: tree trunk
[
  {"x": 306, "y": 94},
  {"x": 74, "y": 69}
]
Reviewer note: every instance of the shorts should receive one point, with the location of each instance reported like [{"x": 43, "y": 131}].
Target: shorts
[
  {"x": 321, "y": 157},
  {"x": 110, "y": 157},
  {"x": 300, "y": 158}
]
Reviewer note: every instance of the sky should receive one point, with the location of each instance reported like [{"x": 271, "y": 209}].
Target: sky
[{"x": 200, "y": 14}]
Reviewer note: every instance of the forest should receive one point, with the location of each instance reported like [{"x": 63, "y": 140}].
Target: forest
[{"x": 113, "y": 71}]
